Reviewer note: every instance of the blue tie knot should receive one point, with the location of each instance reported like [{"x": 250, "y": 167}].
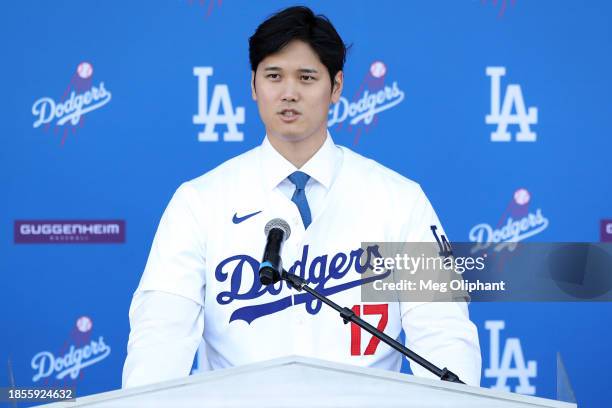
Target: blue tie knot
[{"x": 299, "y": 178}]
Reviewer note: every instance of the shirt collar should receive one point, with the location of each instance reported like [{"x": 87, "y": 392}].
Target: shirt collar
[{"x": 322, "y": 167}]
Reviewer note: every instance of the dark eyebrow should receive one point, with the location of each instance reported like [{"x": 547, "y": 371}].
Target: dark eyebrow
[{"x": 302, "y": 70}]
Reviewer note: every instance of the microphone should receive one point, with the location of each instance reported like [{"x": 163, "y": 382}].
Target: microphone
[{"x": 276, "y": 231}]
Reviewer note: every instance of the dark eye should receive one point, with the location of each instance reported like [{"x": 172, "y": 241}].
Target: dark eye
[
  {"x": 308, "y": 78},
  {"x": 273, "y": 76}
]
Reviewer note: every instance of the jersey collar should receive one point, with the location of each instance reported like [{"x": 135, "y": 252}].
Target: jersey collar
[{"x": 323, "y": 167}]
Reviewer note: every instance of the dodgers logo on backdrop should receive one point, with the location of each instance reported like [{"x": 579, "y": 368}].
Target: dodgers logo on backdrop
[
  {"x": 508, "y": 362},
  {"x": 501, "y": 113},
  {"x": 80, "y": 351},
  {"x": 80, "y": 97},
  {"x": 211, "y": 116},
  {"x": 209, "y": 7},
  {"x": 502, "y": 7},
  {"x": 517, "y": 223},
  {"x": 371, "y": 98}
]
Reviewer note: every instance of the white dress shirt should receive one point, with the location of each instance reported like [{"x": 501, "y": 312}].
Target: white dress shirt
[{"x": 201, "y": 281}]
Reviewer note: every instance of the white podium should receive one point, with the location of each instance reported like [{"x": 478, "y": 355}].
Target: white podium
[{"x": 305, "y": 382}]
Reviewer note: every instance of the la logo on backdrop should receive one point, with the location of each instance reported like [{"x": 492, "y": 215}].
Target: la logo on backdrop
[
  {"x": 81, "y": 96},
  {"x": 372, "y": 97},
  {"x": 517, "y": 223},
  {"x": 79, "y": 351},
  {"x": 508, "y": 361},
  {"x": 210, "y": 114},
  {"x": 501, "y": 112}
]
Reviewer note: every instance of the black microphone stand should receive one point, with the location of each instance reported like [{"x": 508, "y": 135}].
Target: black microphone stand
[{"x": 348, "y": 315}]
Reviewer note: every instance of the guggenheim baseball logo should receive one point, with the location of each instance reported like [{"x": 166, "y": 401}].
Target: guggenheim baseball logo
[
  {"x": 605, "y": 231},
  {"x": 80, "y": 97},
  {"x": 69, "y": 232}
]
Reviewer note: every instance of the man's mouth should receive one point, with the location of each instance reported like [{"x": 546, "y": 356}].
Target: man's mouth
[{"x": 289, "y": 113}]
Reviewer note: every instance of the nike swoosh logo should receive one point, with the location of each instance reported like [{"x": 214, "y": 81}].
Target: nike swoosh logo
[{"x": 238, "y": 220}]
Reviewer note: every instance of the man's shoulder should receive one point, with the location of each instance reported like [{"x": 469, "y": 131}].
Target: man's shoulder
[
  {"x": 377, "y": 176},
  {"x": 227, "y": 174}
]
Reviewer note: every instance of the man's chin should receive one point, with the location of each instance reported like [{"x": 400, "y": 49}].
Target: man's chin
[{"x": 291, "y": 135}]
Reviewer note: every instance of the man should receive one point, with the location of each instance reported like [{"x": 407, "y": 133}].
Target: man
[{"x": 201, "y": 278}]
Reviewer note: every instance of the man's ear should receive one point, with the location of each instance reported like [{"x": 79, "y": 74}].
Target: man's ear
[
  {"x": 253, "y": 94},
  {"x": 337, "y": 88}
]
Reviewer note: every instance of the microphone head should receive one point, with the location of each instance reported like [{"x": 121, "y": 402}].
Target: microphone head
[{"x": 280, "y": 224}]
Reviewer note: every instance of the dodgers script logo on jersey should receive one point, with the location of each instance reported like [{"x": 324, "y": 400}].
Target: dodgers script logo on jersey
[
  {"x": 502, "y": 116},
  {"x": 211, "y": 116},
  {"x": 321, "y": 273},
  {"x": 508, "y": 362},
  {"x": 80, "y": 97},
  {"x": 372, "y": 97},
  {"x": 78, "y": 352},
  {"x": 517, "y": 223}
]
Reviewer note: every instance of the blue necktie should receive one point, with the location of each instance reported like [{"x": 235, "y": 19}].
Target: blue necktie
[{"x": 299, "y": 196}]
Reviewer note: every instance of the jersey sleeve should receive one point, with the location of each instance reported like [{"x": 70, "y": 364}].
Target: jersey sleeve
[
  {"x": 441, "y": 332},
  {"x": 177, "y": 261},
  {"x": 166, "y": 330},
  {"x": 166, "y": 314}
]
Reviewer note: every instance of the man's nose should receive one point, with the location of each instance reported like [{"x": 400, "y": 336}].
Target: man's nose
[{"x": 290, "y": 92}]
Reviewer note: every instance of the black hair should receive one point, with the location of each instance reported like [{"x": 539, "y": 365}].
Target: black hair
[{"x": 299, "y": 23}]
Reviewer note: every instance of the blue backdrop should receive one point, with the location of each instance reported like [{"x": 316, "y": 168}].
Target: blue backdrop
[{"x": 499, "y": 109}]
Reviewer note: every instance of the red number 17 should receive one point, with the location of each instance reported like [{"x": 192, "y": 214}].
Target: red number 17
[{"x": 383, "y": 311}]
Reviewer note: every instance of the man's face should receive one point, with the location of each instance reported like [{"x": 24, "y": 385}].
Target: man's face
[{"x": 293, "y": 92}]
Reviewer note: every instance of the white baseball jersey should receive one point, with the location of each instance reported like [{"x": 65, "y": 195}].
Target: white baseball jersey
[{"x": 201, "y": 278}]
